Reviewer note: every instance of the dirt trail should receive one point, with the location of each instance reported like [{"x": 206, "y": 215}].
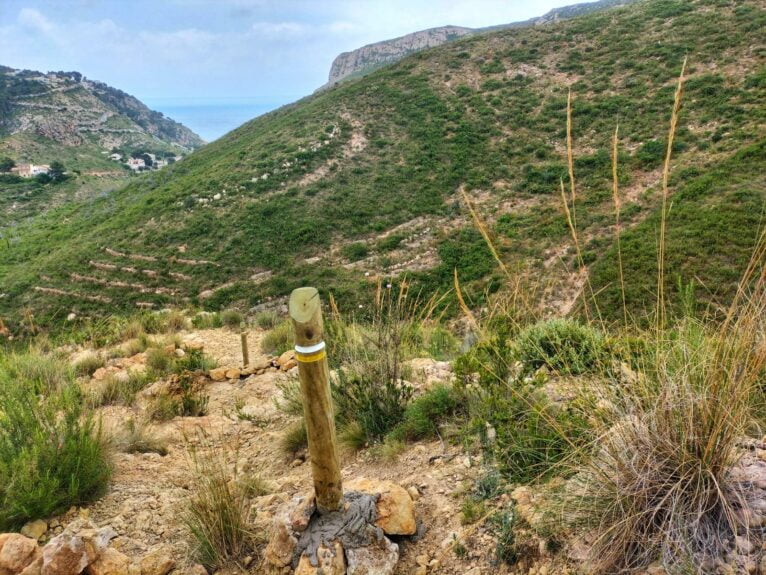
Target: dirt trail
[{"x": 146, "y": 496}]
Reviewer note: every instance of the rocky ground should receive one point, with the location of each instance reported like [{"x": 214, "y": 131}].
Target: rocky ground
[{"x": 139, "y": 516}]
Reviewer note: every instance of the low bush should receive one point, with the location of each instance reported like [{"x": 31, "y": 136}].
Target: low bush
[
  {"x": 52, "y": 453},
  {"x": 159, "y": 361},
  {"x": 137, "y": 437},
  {"x": 232, "y": 319},
  {"x": 295, "y": 438},
  {"x": 562, "y": 345},
  {"x": 113, "y": 390},
  {"x": 194, "y": 360},
  {"x": 207, "y": 320}
]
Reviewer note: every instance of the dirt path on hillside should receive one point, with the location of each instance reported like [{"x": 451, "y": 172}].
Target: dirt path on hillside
[{"x": 146, "y": 498}]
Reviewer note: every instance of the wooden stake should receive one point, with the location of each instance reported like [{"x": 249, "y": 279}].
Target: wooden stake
[
  {"x": 245, "y": 354},
  {"x": 306, "y": 313}
]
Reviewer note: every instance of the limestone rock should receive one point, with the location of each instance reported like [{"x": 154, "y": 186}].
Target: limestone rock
[
  {"x": 232, "y": 373},
  {"x": 36, "y": 567},
  {"x": 16, "y": 552},
  {"x": 35, "y": 529},
  {"x": 301, "y": 515},
  {"x": 158, "y": 561},
  {"x": 110, "y": 562},
  {"x": 217, "y": 374},
  {"x": 279, "y": 551},
  {"x": 72, "y": 551},
  {"x": 329, "y": 562},
  {"x": 286, "y": 358},
  {"x": 373, "y": 560},
  {"x": 395, "y": 509}
]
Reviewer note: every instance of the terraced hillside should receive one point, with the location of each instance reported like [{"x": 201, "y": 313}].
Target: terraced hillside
[{"x": 361, "y": 181}]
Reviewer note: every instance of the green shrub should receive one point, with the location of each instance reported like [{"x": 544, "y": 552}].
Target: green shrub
[
  {"x": 163, "y": 407},
  {"x": 194, "y": 360},
  {"x": 44, "y": 373},
  {"x": 207, "y": 320},
  {"x": 232, "y": 319},
  {"x": 52, "y": 454},
  {"x": 423, "y": 416},
  {"x": 355, "y": 251},
  {"x": 113, "y": 391},
  {"x": 563, "y": 345},
  {"x": 295, "y": 438},
  {"x": 279, "y": 339}
]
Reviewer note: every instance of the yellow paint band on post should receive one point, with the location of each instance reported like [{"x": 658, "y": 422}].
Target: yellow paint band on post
[{"x": 310, "y": 357}]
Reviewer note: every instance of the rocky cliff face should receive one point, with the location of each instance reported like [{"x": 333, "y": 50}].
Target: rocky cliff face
[
  {"x": 65, "y": 108},
  {"x": 375, "y": 55},
  {"x": 367, "y": 58}
]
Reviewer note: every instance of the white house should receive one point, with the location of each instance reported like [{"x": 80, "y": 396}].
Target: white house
[
  {"x": 136, "y": 163},
  {"x": 30, "y": 170}
]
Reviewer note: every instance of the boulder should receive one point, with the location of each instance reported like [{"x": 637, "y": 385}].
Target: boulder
[
  {"x": 158, "y": 561},
  {"x": 232, "y": 373},
  {"x": 110, "y": 562},
  {"x": 330, "y": 561},
  {"x": 16, "y": 552},
  {"x": 285, "y": 358},
  {"x": 374, "y": 559},
  {"x": 72, "y": 551},
  {"x": 35, "y": 529},
  {"x": 217, "y": 374},
  {"x": 394, "y": 506},
  {"x": 301, "y": 514}
]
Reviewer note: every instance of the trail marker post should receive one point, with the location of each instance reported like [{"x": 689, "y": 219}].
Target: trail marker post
[
  {"x": 245, "y": 353},
  {"x": 306, "y": 312}
]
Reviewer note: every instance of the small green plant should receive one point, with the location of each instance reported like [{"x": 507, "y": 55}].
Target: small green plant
[
  {"x": 114, "y": 389},
  {"x": 352, "y": 436},
  {"x": 355, "y": 251},
  {"x": 562, "y": 345},
  {"x": 207, "y": 320},
  {"x": 193, "y": 401},
  {"x": 163, "y": 407},
  {"x": 503, "y": 524},
  {"x": 291, "y": 401},
  {"x": 472, "y": 510}
]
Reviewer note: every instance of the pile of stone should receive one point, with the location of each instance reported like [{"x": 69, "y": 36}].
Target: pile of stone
[
  {"x": 80, "y": 549},
  {"x": 284, "y": 362},
  {"x": 352, "y": 541}
]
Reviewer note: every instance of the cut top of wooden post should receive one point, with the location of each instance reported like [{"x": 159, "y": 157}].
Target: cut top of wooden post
[{"x": 306, "y": 312}]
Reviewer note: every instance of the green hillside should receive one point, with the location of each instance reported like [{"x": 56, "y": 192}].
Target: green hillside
[{"x": 360, "y": 181}]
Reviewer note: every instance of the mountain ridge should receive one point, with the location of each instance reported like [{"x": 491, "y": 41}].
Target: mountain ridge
[{"x": 372, "y": 56}]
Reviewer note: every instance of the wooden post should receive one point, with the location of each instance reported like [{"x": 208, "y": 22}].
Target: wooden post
[
  {"x": 306, "y": 313},
  {"x": 245, "y": 354}
]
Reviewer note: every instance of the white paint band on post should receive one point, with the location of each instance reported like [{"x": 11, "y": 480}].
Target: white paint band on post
[{"x": 310, "y": 353}]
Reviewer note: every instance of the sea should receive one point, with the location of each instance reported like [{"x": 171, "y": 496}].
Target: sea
[{"x": 211, "y": 118}]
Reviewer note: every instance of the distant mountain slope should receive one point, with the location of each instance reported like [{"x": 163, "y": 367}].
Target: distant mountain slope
[
  {"x": 361, "y": 183},
  {"x": 372, "y": 56},
  {"x": 43, "y": 115}
]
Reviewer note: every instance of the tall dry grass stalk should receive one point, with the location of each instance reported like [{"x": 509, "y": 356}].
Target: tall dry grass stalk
[
  {"x": 484, "y": 232},
  {"x": 665, "y": 196},
  {"x": 617, "y": 223}
]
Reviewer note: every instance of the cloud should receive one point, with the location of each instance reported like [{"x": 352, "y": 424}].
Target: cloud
[
  {"x": 32, "y": 19},
  {"x": 280, "y": 28}
]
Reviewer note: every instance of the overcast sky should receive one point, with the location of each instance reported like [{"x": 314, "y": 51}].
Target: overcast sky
[{"x": 272, "y": 51}]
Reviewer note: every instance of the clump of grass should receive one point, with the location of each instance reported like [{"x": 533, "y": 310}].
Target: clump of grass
[
  {"x": 159, "y": 360},
  {"x": 295, "y": 438},
  {"x": 352, "y": 436},
  {"x": 266, "y": 319},
  {"x": 472, "y": 510},
  {"x": 279, "y": 339},
  {"x": 163, "y": 407},
  {"x": 216, "y": 514},
  {"x": 291, "y": 401},
  {"x": 132, "y": 346},
  {"x": 562, "y": 345},
  {"x": 207, "y": 320},
  {"x": 89, "y": 363},
  {"x": 232, "y": 319},
  {"x": 424, "y": 414},
  {"x": 52, "y": 453},
  {"x": 113, "y": 390},
  {"x": 137, "y": 437}
]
